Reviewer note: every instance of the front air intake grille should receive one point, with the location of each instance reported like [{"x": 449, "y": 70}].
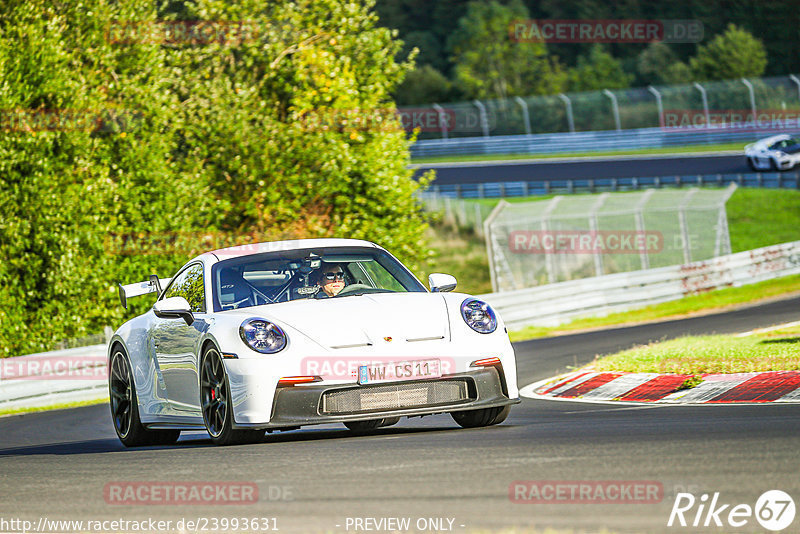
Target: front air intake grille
[{"x": 395, "y": 396}]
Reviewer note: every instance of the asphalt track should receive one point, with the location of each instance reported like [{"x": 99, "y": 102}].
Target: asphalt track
[
  {"x": 587, "y": 168},
  {"x": 56, "y": 464}
]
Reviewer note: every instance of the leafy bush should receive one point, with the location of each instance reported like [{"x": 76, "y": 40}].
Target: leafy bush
[{"x": 111, "y": 142}]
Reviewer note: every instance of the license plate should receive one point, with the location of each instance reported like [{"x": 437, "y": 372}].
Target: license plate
[{"x": 394, "y": 371}]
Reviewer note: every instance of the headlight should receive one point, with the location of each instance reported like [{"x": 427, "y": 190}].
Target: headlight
[
  {"x": 262, "y": 336},
  {"x": 479, "y": 316}
]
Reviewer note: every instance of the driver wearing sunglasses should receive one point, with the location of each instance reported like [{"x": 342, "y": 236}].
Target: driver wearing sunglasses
[{"x": 330, "y": 278}]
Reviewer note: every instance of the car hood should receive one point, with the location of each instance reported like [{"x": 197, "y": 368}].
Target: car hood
[{"x": 363, "y": 320}]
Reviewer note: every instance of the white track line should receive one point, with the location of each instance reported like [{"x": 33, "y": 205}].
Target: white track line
[{"x": 768, "y": 329}]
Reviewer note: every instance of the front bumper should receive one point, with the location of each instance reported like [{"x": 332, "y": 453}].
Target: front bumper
[{"x": 301, "y": 405}]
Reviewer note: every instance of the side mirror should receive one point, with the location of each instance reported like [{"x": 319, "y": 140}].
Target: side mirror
[
  {"x": 174, "y": 308},
  {"x": 440, "y": 283}
]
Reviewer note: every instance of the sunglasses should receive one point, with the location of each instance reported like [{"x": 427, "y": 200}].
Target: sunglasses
[{"x": 333, "y": 276}]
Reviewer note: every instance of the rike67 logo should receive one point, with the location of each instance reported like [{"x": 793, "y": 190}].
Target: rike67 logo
[{"x": 774, "y": 510}]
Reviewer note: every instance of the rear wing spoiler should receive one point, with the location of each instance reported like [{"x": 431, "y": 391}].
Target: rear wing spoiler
[{"x": 153, "y": 285}]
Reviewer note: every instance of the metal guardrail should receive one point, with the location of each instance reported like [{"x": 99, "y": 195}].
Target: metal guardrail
[
  {"x": 771, "y": 180},
  {"x": 53, "y": 378},
  {"x": 577, "y": 142},
  {"x": 34, "y": 380},
  {"x": 553, "y": 304}
]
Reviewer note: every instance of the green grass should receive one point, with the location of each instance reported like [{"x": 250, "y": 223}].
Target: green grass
[
  {"x": 761, "y": 217},
  {"x": 777, "y": 350},
  {"x": 60, "y": 406},
  {"x": 703, "y": 303},
  {"x": 461, "y": 253},
  {"x": 643, "y": 151},
  {"x": 756, "y": 218}
]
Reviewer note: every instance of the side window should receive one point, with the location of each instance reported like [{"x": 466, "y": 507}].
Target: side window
[{"x": 189, "y": 285}]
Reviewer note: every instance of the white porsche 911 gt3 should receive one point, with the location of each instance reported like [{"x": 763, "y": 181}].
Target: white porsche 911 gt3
[
  {"x": 279, "y": 335},
  {"x": 776, "y": 153}
]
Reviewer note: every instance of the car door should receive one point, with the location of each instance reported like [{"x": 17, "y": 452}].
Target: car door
[{"x": 176, "y": 342}]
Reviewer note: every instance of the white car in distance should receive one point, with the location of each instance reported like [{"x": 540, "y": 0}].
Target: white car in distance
[{"x": 776, "y": 153}]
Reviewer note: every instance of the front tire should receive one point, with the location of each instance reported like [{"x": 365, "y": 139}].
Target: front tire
[
  {"x": 482, "y": 417},
  {"x": 215, "y": 401},
  {"x": 125, "y": 407},
  {"x": 773, "y": 165},
  {"x": 751, "y": 163}
]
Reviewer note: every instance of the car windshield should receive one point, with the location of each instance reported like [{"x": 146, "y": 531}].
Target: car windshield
[
  {"x": 783, "y": 143},
  {"x": 307, "y": 274}
]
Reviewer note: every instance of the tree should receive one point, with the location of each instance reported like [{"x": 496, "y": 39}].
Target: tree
[
  {"x": 678, "y": 73},
  {"x": 730, "y": 55},
  {"x": 598, "y": 71},
  {"x": 287, "y": 132},
  {"x": 423, "y": 85},
  {"x": 490, "y": 64},
  {"x": 653, "y": 62}
]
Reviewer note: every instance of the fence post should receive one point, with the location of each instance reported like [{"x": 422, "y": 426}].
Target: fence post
[
  {"x": 442, "y": 119},
  {"x": 490, "y": 248},
  {"x": 684, "y": 226},
  {"x": 615, "y": 107},
  {"x": 448, "y": 211},
  {"x": 484, "y": 119},
  {"x": 659, "y": 103},
  {"x": 570, "y": 118},
  {"x": 549, "y": 260},
  {"x": 526, "y": 118},
  {"x": 594, "y": 227},
  {"x": 797, "y": 81},
  {"x": 752, "y": 99},
  {"x": 639, "y": 218},
  {"x": 705, "y": 103}
]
